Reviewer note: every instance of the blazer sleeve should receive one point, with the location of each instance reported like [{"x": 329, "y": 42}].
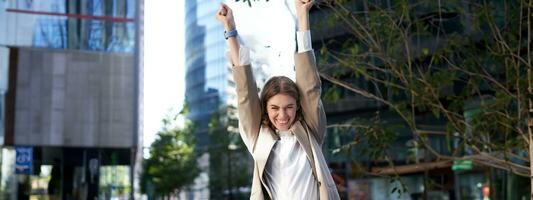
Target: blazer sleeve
[
  {"x": 308, "y": 82},
  {"x": 248, "y": 105}
]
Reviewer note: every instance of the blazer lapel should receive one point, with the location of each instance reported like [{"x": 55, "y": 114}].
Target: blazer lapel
[
  {"x": 301, "y": 134},
  {"x": 265, "y": 142}
]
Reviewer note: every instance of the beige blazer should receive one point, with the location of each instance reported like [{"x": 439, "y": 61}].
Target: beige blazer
[{"x": 310, "y": 132}]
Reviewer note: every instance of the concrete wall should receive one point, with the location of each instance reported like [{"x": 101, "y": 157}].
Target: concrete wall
[{"x": 74, "y": 98}]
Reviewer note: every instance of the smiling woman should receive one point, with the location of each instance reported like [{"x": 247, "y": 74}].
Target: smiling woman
[
  {"x": 279, "y": 99},
  {"x": 284, "y": 128},
  {"x": 281, "y": 110}
]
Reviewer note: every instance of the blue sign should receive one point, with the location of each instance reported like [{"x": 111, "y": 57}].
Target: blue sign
[{"x": 23, "y": 162}]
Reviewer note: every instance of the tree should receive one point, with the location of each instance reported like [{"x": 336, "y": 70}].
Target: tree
[
  {"x": 467, "y": 64},
  {"x": 172, "y": 162},
  {"x": 229, "y": 160}
]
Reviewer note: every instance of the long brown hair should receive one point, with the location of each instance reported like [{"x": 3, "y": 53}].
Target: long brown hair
[{"x": 279, "y": 85}]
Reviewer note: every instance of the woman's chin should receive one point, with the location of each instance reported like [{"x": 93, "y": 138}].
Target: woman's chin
[{"x": 282, "y": 127}]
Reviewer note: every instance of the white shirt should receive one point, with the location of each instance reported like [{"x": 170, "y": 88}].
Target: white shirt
[{"x": 288, "y": 173}]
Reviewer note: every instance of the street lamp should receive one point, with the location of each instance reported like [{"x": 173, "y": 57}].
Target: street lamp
[{"x": 231, "y": 147}]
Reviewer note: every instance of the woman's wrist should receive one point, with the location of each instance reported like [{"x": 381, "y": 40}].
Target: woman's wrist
[
  {"x": 229, "y": 26},
  {"x": 303, "y": 22}
]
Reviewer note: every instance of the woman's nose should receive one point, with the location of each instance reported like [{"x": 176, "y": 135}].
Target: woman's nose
[{"x": 283, "y": 113}]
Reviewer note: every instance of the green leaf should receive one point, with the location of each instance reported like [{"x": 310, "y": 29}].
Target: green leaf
[
  {"x": 425, "y": 51},
  {"x": 436, "y": 112}
]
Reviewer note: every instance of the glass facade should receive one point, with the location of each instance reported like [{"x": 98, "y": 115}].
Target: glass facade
[
  {"x": 96, "y": 25},
  {"x": 207, "y": 70},
  {"x": 208, "y": 85},
  {"x": 89, "y": 25}
]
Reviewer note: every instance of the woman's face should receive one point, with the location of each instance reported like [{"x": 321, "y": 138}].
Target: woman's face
[{"x": 281, "y": 109}]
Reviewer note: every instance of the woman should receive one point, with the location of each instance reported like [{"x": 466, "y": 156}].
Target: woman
[{"x": 285, "y": 128}]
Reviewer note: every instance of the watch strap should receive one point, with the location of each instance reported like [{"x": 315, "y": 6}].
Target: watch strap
[{"x": 232, "y": 33}]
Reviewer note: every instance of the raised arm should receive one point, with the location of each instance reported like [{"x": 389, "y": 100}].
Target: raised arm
[
  {"x": 302, "y": 12},
  {"x": 248, "y": 100},
  {"x": 307, "y": 78},
  {"x": 225, "y": 16}
]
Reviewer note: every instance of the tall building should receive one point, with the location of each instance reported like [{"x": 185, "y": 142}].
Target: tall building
[
  {"x": 211, "y": 99},
  {"x": 70, "y": 75},
  {"x": 205, "y": 78},
  {"x": 207, "y": 74}
]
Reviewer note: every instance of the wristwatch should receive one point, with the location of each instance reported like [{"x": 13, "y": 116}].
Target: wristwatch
[{"x": 232, "y": 33}]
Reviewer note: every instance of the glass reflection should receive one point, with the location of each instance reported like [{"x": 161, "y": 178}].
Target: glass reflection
[{"x": 69, "y": 24}]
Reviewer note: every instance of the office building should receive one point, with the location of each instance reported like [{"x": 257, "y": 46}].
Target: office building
[{"x": 71, "y": 98}]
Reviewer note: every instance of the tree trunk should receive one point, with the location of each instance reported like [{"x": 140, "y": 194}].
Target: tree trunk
[
  {"x": 530, "y": 125},
  {"x": 530, "y": 128},
  {"x": 529, "y": 98}
]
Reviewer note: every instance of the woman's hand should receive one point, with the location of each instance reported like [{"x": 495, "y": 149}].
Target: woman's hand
[
  {"x": 302, "y": 11},
  {"x": 225, "y": 16},
  {"x": 303, "y": 6}
]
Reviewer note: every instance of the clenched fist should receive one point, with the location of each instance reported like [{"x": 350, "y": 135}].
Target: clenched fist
[{"x": 225, "y": 16}]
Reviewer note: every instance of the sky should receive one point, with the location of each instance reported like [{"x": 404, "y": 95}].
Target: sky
[
  {"x": 272, "y": 45},
  {"x": 164, "y": 63}
]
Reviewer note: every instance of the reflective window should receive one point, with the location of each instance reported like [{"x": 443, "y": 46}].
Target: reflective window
[
  {"x": 206, "y": 65},
  {"x": 98, "y": 25}
]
